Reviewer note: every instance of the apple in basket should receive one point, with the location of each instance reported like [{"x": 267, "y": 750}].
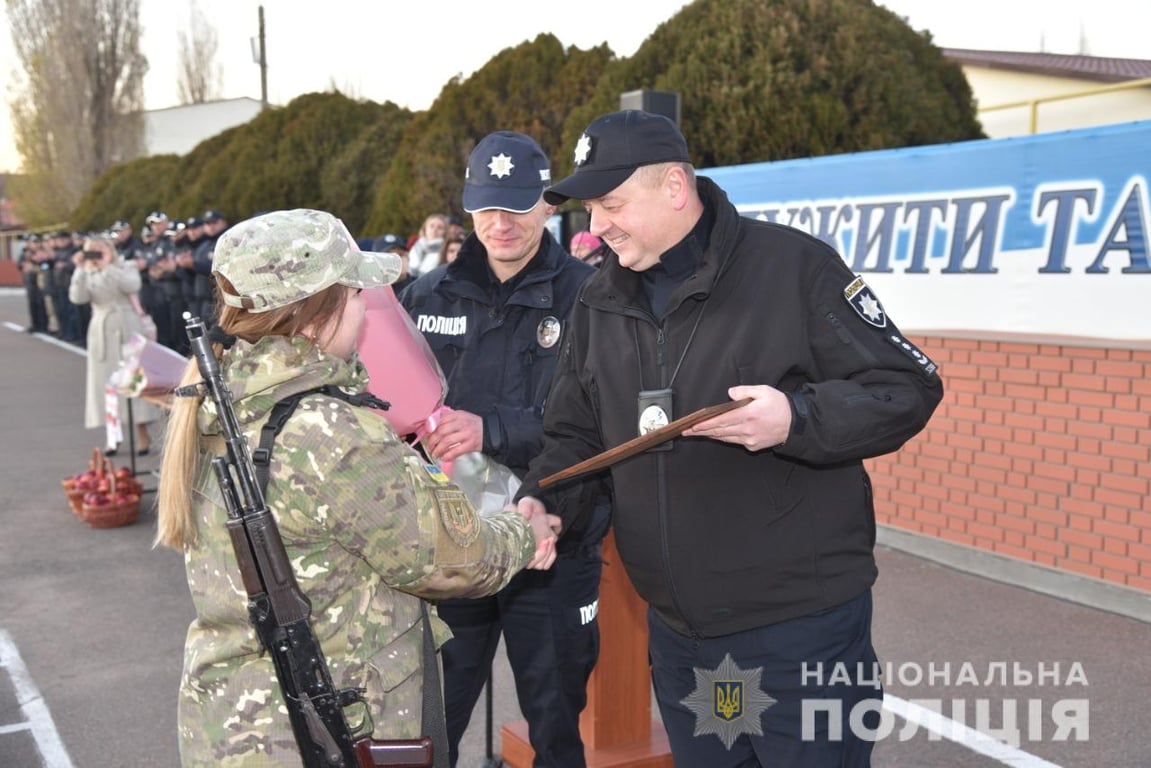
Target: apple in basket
[
  {"x": 96, "y": 499},
  {"x": 126, "y": 497}
]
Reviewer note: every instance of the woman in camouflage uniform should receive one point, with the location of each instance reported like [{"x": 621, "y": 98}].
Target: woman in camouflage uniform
[{"x": 369, "y": 527}]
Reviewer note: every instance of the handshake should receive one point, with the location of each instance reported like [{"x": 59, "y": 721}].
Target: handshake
[{"x": 546, "y": 529}]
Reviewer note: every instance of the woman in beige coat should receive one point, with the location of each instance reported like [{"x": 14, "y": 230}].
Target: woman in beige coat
[{"x": 104, "y": 280}]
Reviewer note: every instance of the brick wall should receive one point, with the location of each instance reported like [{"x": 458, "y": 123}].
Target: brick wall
[{"x": 1039, "y": 451}]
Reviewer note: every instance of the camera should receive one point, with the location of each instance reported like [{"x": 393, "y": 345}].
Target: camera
[{"x": 93, "y": 255}]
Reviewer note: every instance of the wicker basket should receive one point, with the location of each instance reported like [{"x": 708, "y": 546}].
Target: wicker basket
[
  {"x": 112, "y": 515},
  {"x": 97, "y": 467}
]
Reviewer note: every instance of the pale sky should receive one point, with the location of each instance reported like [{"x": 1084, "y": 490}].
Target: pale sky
[{"x": 406, "y": 51}]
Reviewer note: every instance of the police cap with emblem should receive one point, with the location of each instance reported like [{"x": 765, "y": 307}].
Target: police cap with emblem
[
  {"x": 612, "y": 147},
  {"x": 506, "y": 171}
]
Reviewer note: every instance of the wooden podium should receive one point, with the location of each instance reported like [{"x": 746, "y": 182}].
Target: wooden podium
[{"x": 616, "y": 725}]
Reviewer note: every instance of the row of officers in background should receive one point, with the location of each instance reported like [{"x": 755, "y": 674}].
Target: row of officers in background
[{"x": 175, "y": 263}]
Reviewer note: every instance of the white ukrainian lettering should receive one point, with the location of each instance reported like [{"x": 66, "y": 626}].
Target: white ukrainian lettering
[
  {"x": 1020, "y": 677},
  {"x": 939, "y": 677},
  {"x": 1071, "y": 716},
  {"x": 1008, "y": 732},
  {"x": 839, "y": 675},
  {"x": 967, "y": 675},
  {"x": 861, "y": 730},
  {"x": 994, "y": 667},
  {"x": 834, "y": 710},
  {"x": 933, "y": 722},
  {"x": 915, "y": 677},
  {"x": 1044, "y": 675},
  {"x": 868, "y": 674},
  {"x": 805, "y": 674},
  {"x": 587, "y": 613},
  {"x": 1035, "y": 720},
  {"x": 1077, "y": 676},
  {"x": 449, "y": 326}
]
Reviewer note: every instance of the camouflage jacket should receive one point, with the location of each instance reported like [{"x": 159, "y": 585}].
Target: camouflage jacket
[{"x": 370, "y": 530}]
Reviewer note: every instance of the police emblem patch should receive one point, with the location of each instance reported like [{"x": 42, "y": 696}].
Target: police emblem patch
[
  {"x": 456, "y": 515},
  {"x": 652, "y": 418},
  {"x": 863, "y": 300},
  {"x": 548, "y": 332},
  {"x": 728, "y": 702}
]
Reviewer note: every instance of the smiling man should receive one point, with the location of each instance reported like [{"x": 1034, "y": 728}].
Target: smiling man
[
  {"x": 751, "y": 536},
  {"x": 493, "y": 317}
]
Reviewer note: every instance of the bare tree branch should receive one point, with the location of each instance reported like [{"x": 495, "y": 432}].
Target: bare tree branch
[
  {"x": 78, "y": 108},
  {"x": 200, "y": 73}
]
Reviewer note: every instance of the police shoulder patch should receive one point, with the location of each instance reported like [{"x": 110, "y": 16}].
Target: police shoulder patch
[
  {"x": 863, "y": 300},
  {"x": 460, "y": 522}
]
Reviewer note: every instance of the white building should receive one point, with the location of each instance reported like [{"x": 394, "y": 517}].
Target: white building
[
  {"x": 177, "y": 130},
  {"x": 1056, "y": 92}
]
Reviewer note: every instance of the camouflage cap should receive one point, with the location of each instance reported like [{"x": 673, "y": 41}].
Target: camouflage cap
[{"x": 282, "y": 257}]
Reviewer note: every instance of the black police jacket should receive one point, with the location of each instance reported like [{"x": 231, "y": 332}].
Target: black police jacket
[
  {"x": 498, "y": 356},
  {"x": 716, "y": 538}
]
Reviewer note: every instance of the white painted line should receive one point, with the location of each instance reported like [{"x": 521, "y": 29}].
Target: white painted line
[
  {"x": 39, "y": 719},
  {"x": 45, "y": 337},
  {"x": 976, "y": 741}
]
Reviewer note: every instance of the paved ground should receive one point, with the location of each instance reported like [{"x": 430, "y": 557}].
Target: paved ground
[{"x": 92, "y": 625}]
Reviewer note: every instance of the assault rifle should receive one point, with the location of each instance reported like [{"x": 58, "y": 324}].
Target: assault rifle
[{"x": 279, "y": 610}]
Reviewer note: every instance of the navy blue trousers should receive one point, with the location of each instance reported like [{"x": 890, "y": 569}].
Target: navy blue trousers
[
  {"x": 552, "y": 640},
  {"x": 738, "y": 700}
]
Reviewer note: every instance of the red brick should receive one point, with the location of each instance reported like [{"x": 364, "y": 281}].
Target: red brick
[
  {"x": 1112, "y": 497},
  {"x": 1057, "y": 410},
  {"x": 1085, "y": 382},
  {"x": 1025, "y": 392},
  {"x": 1022, "y": 553},
  {"x": 1093, "y": 571},
  {"x": 1128, "y": 533},
  {"x": 1086, "y": 508},
  {"x": 1040, "y": 544},
  {"x": 1121, "y": 369},
  {"x": 1049, "y": 440},
  {"x": 1026, "y": 421},
  {"x": 1090, "y": 429},
  {"x": 1137, "y": 453},
  {"x": 1109, "y": 562},
  {"x": 1091, "y": 541},
  {"x": 1055, "y": 471},
  {"x": 1091, "y": 353},
  {"x": 1094, "y": 398},
  {"x": 1120, "y": 482},
  {"x": 1053, "y": 362},
  {"x": 1128, "y": 418}
]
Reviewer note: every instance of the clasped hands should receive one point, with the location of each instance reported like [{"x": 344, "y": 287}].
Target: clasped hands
[
  {"x": 546, "y": 529},
  {"x": 460, "y": 432}
]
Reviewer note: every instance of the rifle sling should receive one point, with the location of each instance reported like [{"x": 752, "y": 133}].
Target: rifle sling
[{"x": 433, "y": 706}]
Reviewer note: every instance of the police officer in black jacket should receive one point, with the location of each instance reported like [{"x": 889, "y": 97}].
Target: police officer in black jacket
[
  {"x": 493, "y": 318},
  {"x": 751, "y": 536}
]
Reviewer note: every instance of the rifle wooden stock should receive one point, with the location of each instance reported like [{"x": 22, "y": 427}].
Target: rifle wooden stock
[{"x": 398, "y": 753}]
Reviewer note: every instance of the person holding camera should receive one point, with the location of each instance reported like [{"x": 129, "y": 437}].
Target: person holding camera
[{"x": 107, "y": 283}]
